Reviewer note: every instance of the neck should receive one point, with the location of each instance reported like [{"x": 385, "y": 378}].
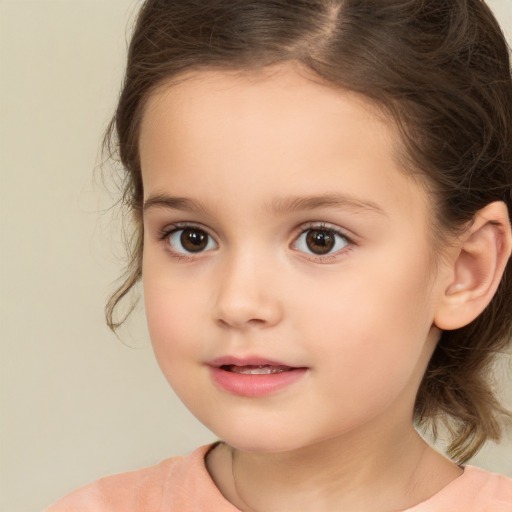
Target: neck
[{"x": 343, "y": 473}]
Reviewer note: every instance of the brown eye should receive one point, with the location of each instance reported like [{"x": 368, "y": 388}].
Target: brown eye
[
  {"x": 193, "y": 240},
  {"x": 190, "y": 240},
  {"x": 321, "y": 241}
]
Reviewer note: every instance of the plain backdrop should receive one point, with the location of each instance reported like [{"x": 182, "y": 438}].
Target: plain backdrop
[{"x": 77, "y": 403}]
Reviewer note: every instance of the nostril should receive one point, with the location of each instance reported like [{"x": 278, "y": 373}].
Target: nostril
[
  {"x": 234, "y": 323},
  {"x": 222, "y": 323}
]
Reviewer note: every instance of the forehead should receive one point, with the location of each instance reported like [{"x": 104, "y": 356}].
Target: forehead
[
  {"x": 276, "y": 106},
  {"x": 280, "y": 82},
  {"x": 283, "y": 90},
  {"x": 275, "y": 127}
]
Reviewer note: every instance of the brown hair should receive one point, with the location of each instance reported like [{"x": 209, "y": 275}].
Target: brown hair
[{"x": 440, "y": 68}]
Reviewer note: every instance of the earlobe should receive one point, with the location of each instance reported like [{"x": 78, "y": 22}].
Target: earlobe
[{"x": 476, "y": 268}]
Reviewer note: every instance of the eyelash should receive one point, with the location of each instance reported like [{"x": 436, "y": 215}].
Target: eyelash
[{"x": 319, "y": 226}]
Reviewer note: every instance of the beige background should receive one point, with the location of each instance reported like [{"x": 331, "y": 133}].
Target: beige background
[{"x": 77, "y": 403}]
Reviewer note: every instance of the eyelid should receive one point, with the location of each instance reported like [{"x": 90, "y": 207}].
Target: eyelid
[
  {"x": 167, "y": 231},
  {"x": 175, "y": 226},
  {"x": 324, "y": 226}
]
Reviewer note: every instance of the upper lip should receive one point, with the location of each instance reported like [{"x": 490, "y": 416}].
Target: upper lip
[{"x": 245, "y": 361}]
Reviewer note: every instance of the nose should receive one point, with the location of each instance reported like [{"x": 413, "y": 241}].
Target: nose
[{"x": 247, "y": 294}]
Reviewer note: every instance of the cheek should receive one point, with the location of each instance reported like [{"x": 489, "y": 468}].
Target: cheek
[
  {"x": 170, "y": 314},
  {"x": 174, "y": 328},
  {"x": 370, "y": 326},
  {"x": 374, "y": 301},
  {"x": 172, "y": 311}
]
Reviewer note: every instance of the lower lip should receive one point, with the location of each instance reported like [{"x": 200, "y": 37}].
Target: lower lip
[{"x": 255, "y": 385}]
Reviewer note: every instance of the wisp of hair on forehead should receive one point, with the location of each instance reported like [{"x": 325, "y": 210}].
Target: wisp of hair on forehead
[{"x": 439, "y": 68}]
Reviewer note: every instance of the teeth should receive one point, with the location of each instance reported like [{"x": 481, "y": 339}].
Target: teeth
[{"x": 257, "y": 370}]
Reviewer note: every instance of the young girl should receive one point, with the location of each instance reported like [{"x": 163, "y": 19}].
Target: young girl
[{"x": 322, "y": 193}]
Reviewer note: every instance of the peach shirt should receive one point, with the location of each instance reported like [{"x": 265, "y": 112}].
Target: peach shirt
[{"x": 182, "y": 484}]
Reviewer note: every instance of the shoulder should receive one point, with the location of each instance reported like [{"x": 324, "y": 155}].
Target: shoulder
[
  {"x": 496, "y": 489},
  {"x": 489, "y": 486},
  {"x": 148, "y": 489},
  {"x": 476, "y": 490},
  {"x": 127, "y": 492}
]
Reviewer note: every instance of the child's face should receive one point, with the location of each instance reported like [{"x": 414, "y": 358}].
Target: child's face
[{"x": 261, "y": 274}]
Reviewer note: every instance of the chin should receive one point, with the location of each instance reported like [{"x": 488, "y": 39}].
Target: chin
[{"x": 260, "y": 440}]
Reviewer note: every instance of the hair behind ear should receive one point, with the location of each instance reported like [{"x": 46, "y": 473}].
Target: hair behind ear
[{"x": 456, "y": 387}]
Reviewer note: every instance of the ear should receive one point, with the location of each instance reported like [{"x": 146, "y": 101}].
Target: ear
[{"x": 476, "y": 268}]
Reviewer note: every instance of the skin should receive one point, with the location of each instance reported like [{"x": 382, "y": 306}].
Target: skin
[{"x": 361, "y": 319}]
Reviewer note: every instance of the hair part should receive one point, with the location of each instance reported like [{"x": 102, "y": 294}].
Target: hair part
[{"x": 439, "y": 68}]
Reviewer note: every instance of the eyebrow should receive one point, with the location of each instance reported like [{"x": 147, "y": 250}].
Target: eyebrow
[
  {"x": 174, "y": 203},
  {"x": 278, "y": 206},
  {"x": 342, "y": 201}
]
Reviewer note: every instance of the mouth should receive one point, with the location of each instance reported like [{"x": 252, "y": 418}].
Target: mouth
[
  {"x": 258, "y": 369},
  {"x": 253, "y": 377}
]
